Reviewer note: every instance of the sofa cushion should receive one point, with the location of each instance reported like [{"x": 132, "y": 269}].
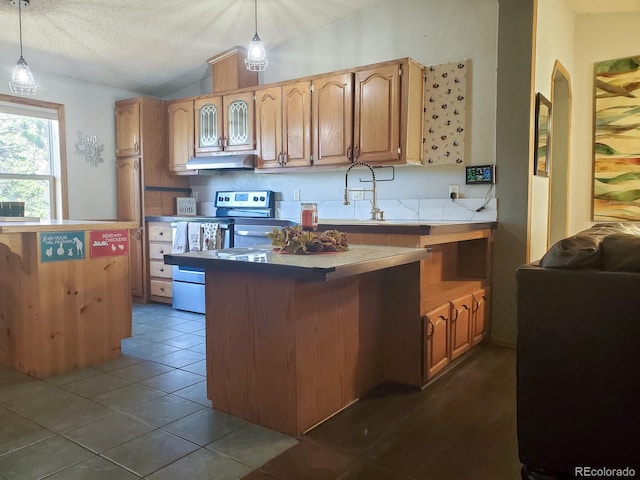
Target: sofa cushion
[
  {"x": 578, "y": 251},
  {"x": 621, "y": 252},
  {"x": 584, "y": 250}
]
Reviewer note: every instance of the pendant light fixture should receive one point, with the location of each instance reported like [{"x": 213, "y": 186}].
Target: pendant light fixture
[
  {"x": 22, "y": 81},
  {"x": 256, "y": 60}
]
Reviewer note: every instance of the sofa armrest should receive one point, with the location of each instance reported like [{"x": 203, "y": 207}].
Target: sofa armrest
[{"x": 578, "y": 381}]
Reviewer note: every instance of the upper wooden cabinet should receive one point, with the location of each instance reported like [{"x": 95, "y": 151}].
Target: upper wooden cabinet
[
  {"x": 333, "y": 119},
  {"x": 372, "y": 115},
  {"x": 180, "y": 130},
  {"x": 224, "y": 123},
  {"x": 283, "y": 126},
  {"x": 127, "y": 128},
  {"x": 376, "y": 115},
  {"x": 388, "y": 113}
]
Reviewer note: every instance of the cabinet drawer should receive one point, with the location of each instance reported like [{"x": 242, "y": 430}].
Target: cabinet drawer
[
  {"x": 159, "y": 269},
  {"x": 157, "y": 250},
  {"x": 160, "y": 232},
  {"x": 161, "y": 288}
]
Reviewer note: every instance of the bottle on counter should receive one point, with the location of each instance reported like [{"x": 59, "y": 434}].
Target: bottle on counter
[{"x": 309, "y": 216}]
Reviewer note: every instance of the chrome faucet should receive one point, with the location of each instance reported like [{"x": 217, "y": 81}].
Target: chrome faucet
[{"x": 376, "y": 213}]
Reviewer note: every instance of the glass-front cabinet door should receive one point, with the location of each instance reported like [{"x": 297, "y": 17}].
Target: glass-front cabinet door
[
  {"x": 224, "y": 123},
  {"x": 239, "y": 122},
  {"x": 209, "y": 136}
]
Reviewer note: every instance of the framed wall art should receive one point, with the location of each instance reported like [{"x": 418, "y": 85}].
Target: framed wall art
[
  {"x": 541, "y": 156},
  {"x": 616, "y": 143}
]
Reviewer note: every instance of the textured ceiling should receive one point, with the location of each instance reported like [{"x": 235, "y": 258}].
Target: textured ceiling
[
  {"x": 158, "y": 47},
  {"x": 153, "y": 46}
]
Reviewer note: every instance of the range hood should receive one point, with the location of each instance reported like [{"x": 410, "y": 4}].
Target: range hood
[{"x": 226, "y": 161}]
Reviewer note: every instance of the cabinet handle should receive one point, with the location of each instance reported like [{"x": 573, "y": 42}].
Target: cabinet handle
[
  {"x": 284, "y": 158},
  {"x": 433, "y": 328},
  {"x": 138, "y": 234},
  {"x": 160, "y": 234},
  {"x": 349, "y": 153},
  {"x": 135, "y": 143},
  {"x": 475, "y": 304},
  {"x": 161, "y": 269},
  {"x": 356, "y": 152},
  {"x": 135, "y": 164},
  {"x": 223, "y": 142},
  {"x": 162, "y": 252}
]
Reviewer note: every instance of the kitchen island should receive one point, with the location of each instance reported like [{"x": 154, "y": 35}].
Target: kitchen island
[
  {"x": 63, "y": 306},
  {"x": 293, "y": 339}
]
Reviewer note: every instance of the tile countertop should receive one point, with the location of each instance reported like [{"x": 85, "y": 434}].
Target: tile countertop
[
  {"x": 357, "y": 260},
  {"x": 417, "y": 227}
]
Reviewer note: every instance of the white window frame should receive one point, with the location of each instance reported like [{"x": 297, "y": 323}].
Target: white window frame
[{"x": 58, "y": 178}]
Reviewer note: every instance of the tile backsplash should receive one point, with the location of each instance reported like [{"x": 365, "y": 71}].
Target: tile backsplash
[{"x": 462, "y": 209}]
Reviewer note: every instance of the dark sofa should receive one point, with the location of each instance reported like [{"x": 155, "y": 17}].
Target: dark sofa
[{"x": 578, "y": 357}]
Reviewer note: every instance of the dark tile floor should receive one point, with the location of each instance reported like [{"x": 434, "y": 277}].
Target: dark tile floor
[
  {"x": 462, "y": 426},
  {"x": 146, "y": 415}
]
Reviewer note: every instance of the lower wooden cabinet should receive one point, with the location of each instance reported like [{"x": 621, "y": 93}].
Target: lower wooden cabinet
[
  {"x": 478, "y": 316},
  {"x": 159, "y": 236},
  {"x": 460, "y": 322},
  {"x": 436, "y": 328},
  {"x": 451, "y": 329}
]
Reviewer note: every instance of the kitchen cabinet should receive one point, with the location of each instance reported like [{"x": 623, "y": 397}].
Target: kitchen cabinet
[
  {"x": 478, "y": 316},
  {"x": 180, "y": 131},
  {"x": 127, "y": 128},
  {"x": 283, "y": 126},
  {"x": 371, "y": 115},
  {"x": 332, "y": 101},
  {"x": 224, "y": 123},
  {"x": 145, "y": 186},
  {"x": 460, "y": 325},
  {"x": 159, "y": 244},
  {"x": 436, "y": 330}
]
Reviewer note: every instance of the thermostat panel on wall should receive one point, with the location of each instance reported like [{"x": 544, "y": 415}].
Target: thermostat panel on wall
[{"x": 476, "y": 174}]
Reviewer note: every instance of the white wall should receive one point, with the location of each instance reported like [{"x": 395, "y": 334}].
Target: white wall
[
  {"x": 429, "y": 31},
  {"x": 598, "y": 37},
  {"x": 89, "y": 108},
  {"x": 554, "y": 41}
]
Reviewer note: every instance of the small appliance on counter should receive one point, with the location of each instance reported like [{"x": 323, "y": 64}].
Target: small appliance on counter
[{"x": 246, "y": 217}]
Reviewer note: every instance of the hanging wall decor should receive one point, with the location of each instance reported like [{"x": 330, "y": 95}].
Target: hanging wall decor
[
  {"x": 445, "y": 113},
  {"x": 88, "y": 147},
  {"x": 616, "y": 148},
  {"x": 542, "y": 152}
]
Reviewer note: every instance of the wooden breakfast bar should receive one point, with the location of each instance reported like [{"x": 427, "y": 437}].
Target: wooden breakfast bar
[
  {"x": 63, "y": 306},
  {"x": 293, "y": 339}
]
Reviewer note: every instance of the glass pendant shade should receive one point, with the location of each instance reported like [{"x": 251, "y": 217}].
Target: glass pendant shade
[
  {"x": 256, "y": 60},
  {"x": 22, "y": 82}
]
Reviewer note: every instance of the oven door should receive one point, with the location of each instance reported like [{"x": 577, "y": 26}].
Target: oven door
[{"x": 253, "y": 232}]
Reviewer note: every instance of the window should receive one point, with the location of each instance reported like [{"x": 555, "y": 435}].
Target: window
[{"x": 30, "y": 157}]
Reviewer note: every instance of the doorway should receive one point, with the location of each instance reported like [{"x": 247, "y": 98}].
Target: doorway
[{"x": 560, "y": 151}]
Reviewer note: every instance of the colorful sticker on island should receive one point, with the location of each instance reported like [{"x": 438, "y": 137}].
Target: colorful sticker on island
[
  {"x": 59, "y": 246},
  {"x": 109, "y": 243}
]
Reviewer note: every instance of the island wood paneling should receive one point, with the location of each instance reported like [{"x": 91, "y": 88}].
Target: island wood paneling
[
  {"x": 288, "y": 353},
  {"x": 63, "y": 315}
]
